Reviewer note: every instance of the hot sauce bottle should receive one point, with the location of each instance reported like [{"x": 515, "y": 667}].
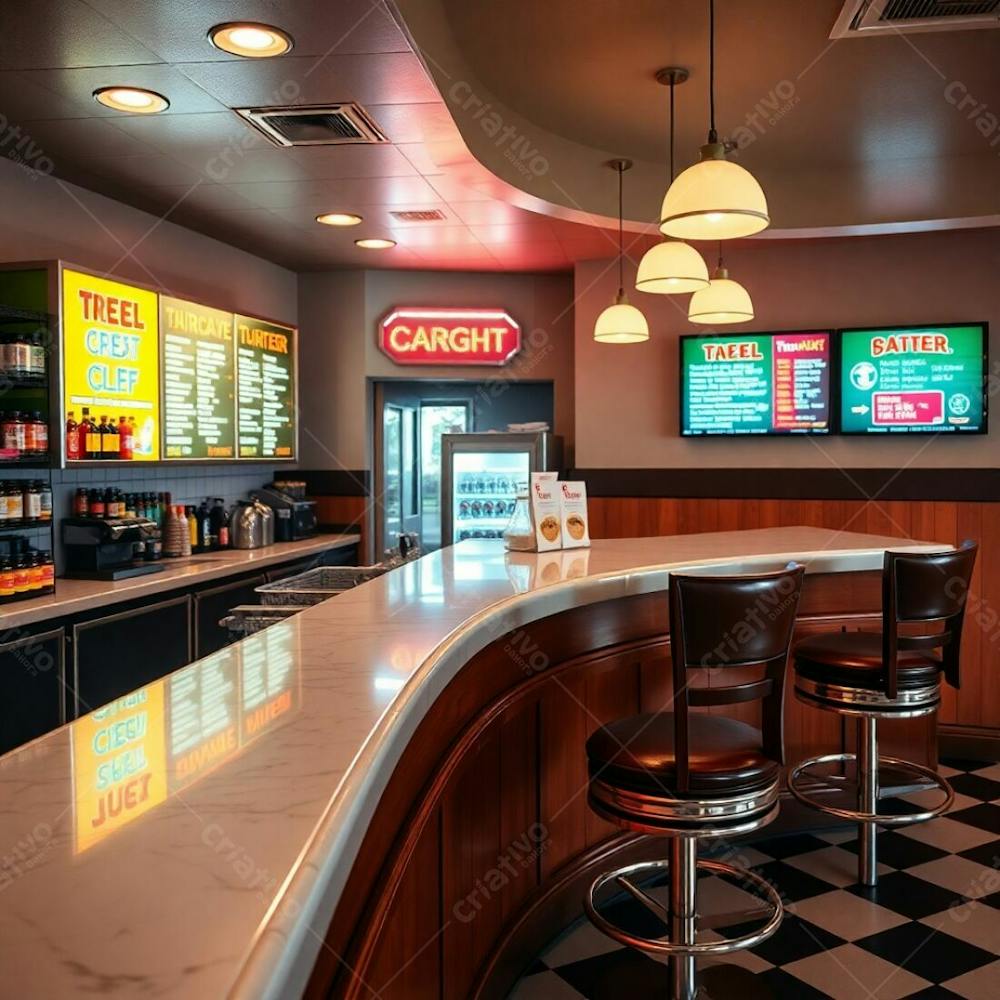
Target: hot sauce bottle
[{"x": 72, "y": 438}]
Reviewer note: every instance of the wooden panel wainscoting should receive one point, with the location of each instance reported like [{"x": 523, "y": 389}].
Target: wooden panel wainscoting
[
  {"x": 346, "y": 513},
  {"x": 977, "y": 703},
  {"x": 482, "y": 840}
]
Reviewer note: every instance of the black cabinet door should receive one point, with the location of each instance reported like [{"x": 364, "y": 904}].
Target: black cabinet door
[
  {"x": 32, "y": 676},
  {"x": 119, "y": 653},
  {"x": 211, "y": 606}
]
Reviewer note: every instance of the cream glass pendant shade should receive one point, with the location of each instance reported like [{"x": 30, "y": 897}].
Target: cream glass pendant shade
[
  {"x": 724, "y": 301},
  {"x": 671, "y": 268},
  {"x": 621, "y": 323},
  {"x": 714, "y": 200}
]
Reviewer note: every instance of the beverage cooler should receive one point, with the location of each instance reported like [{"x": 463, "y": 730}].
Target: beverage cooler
[{"x": 481, "y": 476}]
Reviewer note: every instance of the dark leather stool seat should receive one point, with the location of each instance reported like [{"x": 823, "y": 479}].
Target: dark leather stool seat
[
  {"x": 854, "y": 659},
  {"x": 637, "y": 753},
  {"x": 689, "y": 775},
  {"x": 893, "y": 674}
]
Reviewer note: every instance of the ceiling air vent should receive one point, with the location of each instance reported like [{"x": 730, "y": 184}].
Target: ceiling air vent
[
  {"x": 419, "y": 215},
  {"x": 881, "y": 17},
  {"x": 333, "y": 125}
]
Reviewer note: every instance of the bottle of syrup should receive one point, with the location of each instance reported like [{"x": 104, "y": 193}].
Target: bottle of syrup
[
  {"x": 72, "y": 438},
  {"x": 126, "y": 440}
]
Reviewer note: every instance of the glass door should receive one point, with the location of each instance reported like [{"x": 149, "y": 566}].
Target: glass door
[
  {"x": 435, "y": 419},
  {"x": 399, "y": 471}
]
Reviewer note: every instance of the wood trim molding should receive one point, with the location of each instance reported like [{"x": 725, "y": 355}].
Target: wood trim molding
[{"x": 795, "y": 484}]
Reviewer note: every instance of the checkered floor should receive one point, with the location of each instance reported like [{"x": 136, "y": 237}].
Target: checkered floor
[{"x": 930, "y": 929}]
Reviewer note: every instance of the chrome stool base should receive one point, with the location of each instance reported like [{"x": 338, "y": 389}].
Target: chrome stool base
[
  {"x": 867, "y": 816},
  {"x": 680, "y": 917}
]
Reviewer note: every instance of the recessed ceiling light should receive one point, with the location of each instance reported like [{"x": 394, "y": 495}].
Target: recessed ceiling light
[
  {"x": 338, "y": 219},
  {"x": 250, "y": 39},
  {"x": 375, "y": 243},
  {"x": 131, "y": 100}
]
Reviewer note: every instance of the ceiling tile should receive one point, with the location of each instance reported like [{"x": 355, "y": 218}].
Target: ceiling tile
[
  {"x": 524, "y": 232},
  {"x": 181, "y": 36},
  {"x": 453, "y": 190},
  {"x": 331, "y": 162},
  {"x": 380, "y": 78},
  {"x": 78, "y": 86},
  {"x": 70, "y": 138},
  {"x": 23, "y": 98},
  {"x": 493, "y": 213},
  {"x": 403, "y": 191},
  {"x": 195, "y": 139},
  {"x": 153, "y": 168},
  {"x": 46, "y": 33},
  {"x": 435, "y": 236},
  {"x": 405, "y": 123}
]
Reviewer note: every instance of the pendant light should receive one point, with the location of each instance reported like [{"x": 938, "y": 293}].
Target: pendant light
[
  {"x": 671, "y": 267},
  {"x": 621, "y": 323},
  {"x": 714, "y": 199},
  {"x": 724, "y": 301}
]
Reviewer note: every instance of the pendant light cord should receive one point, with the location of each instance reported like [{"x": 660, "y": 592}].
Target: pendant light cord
[
  {"x": 713, "y": 136},
  {"x": 671, "y": 130},
  {"x": 621, "y": 239}
]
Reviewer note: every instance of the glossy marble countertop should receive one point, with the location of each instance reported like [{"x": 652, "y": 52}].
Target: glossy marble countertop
[
  {"x": 73, "y": 596},
  {"x": 192, "y": 839}
]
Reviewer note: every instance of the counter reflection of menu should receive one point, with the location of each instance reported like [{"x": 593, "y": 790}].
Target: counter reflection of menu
[
  {"x": 265, "y": 381},
  {"x": 199, "y": 397},
  {"x": 268, "y": 693},
  {"x": 204, "y": 717},
  {"x": 119, "y": 770}
]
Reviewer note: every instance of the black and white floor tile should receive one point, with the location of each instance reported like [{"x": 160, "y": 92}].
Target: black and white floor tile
[{"x": 930, "y": 929}]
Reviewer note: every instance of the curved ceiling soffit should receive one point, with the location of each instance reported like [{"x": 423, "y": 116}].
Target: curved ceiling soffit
[{"x": 512, "y": 159}]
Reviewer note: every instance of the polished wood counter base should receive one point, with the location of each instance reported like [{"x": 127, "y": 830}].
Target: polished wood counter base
[{"x": 483, "y": 839}]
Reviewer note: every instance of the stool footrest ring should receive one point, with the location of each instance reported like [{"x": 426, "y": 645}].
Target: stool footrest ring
[
  {"x": 935, "y": 780},
  {"x": 623, "y": 877}
]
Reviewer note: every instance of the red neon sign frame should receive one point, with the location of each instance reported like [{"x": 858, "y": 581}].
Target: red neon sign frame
[{"x": 430, "y": 336}]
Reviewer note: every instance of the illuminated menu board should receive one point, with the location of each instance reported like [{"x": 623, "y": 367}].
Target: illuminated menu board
[
  {"x": 913, "y": 379},
  {"x": 199, "y": 393},
  {"x": 775, "y": 383},
  {"x": 265, "y": 387},
  {"x": 111, "y": 360}
]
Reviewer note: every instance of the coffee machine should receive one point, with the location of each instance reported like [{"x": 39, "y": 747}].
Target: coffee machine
[
  {"x": 109, "y": 549},
  {"x": 294, "y": 516}
]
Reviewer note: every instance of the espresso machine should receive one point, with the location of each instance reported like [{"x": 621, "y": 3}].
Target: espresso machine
[
  {"x": 109, "y": 549},
  {"x": 294, "y": 516}
]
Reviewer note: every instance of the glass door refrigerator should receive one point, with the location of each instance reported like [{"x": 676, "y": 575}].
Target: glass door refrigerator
[{"x": 482, "y": 474}]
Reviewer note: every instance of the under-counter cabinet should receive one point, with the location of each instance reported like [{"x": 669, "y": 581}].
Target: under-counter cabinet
[
  {"x": 212, "y": 605},
  {"x": 32, "y": 678},
  {"x": 118, "y": 653}
]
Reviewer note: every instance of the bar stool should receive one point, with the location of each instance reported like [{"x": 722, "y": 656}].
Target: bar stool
[
  {"x": 886, "y": 675},
  {"x": 691, "y": 775}
]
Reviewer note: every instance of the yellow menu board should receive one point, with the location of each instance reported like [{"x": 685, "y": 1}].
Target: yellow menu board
[
  {"x": 111, "y": 355},
  {"x": 119, "y": 764}
]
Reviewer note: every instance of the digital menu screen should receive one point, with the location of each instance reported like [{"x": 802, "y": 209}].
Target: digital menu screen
[
  {"x": 757, "y": 383},
  {"x": 111, "y": 362},
  {"x": 265, "y": 387},
  {"x": 199, "y": 392},
  {"x": 913, "y": 380}
]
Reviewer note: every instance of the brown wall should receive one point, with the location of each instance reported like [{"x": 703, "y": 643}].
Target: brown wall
[
  {"x": 977, "y": 703},
  {"x": 339, "y": 314},
  {"x": 627, "y": 396}
]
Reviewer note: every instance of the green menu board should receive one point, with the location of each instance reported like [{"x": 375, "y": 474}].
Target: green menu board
[
  {"x": 265, "y": 388},
  {"x": 762, "y": 383},
  {"x": 199, "y": 394},
  {"x": 913, "y": 379}
]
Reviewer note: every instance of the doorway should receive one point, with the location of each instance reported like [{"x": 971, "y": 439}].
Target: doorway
[{"x": 410, "y": 415}]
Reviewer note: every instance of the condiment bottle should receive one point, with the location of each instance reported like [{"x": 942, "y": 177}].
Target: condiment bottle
[
  {"x": 32, "y": 501},
  {"x": 98, "y": 507},
  {"x": 48, "y": 570},
  {"x": 37, "y": 356},
  {"x": 21, "y": 582},
  {"x": 125, "y": 439},
  {"x": 81, "y": 503},
  {"x": 6, "y": 579},
  {"x": 13, "y": 431},
  {"x": 192, "y": 525},
  {"x": 34, "y": 571},
  {"x": 45, "y": 492},
  {"x": 15, "y": 502},
  {"x": 89, "y": 436},
  {"x": 72, "y": 437}
]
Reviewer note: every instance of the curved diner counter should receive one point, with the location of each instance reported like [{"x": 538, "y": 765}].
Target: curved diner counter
[{"x": 387, "y": 793}]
